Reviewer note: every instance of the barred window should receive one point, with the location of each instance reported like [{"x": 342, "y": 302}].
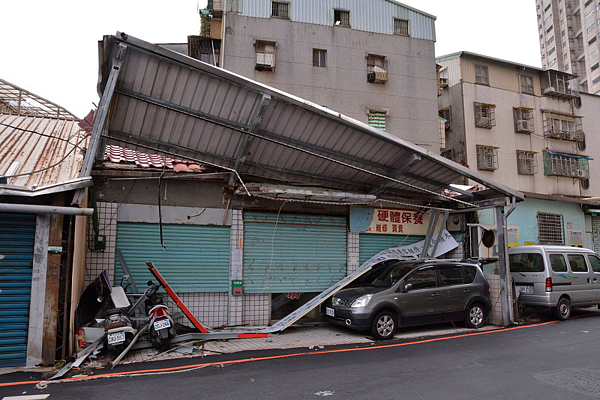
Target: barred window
[
  {"x": 280, "y": 9},
  {"x": 487, "y": 158},
  {"x": 401, "y": 27},
  {"x": 526, "y": 162},
  {"x": 550, "y": 228},
  {"x": 341, "y": 18},
  {"x": 377, "y": 119}
]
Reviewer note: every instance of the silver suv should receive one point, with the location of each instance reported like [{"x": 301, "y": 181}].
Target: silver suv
[{"x": 407, "y": 293}]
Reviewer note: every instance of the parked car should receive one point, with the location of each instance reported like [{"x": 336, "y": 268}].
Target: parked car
[
  {"x": 407, "y": 293},
  {"x": 556, "y": 277}
]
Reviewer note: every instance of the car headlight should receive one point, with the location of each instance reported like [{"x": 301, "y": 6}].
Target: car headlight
[{"x": 362, "y": 301}]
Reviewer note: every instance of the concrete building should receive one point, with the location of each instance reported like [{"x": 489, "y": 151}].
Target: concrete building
[
  {"x": 370, "y": 60},
  {"x": 569, "y": 39},
  {"x": 524, "y": 127}
]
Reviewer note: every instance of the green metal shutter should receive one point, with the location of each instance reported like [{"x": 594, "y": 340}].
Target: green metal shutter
[
  {"x": 371, "y": 244},
  {"x": 377, "y": 119},
  {"x": 195, "y": 258},
  {"x": 17, "y": 235},
  {"x": 293, "y": 252}
]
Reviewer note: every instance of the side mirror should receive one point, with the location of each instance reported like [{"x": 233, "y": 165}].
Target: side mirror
[{"x": 404, "y": 287}]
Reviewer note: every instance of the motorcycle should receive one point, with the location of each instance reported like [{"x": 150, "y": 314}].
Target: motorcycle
[
  {"x": 117, "y": 325},
  {"x": 160, "y": 321}
]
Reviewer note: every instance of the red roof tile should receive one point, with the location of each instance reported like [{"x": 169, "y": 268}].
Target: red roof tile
[{"x": 118, "y": 154}]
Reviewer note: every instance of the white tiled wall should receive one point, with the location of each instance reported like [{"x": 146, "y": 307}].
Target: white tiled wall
[
  {"x": 496, "y": 315},
  {"x": 236, "y": 308},
  {"x": 256, "y": 308},
  {"x": 353, "y": 252},
  {"x": 209, "y": 308}
]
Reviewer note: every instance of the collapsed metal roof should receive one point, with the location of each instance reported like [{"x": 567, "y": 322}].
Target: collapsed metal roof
[
  {"x": 16, "y": 100},
  {"x": 156, "y": 99},
  {"x": 40, "y": 155}
]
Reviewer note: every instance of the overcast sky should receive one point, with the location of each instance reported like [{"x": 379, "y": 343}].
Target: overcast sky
[{"x": 50, "y": 47}]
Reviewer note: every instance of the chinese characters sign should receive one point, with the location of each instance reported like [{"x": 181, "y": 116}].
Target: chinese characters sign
[{"x": 399, "y": 222}]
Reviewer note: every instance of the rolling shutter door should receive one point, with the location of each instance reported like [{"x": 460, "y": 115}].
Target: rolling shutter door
[
  {"x": 371, "y": 244},
  {"x": 195, "y": 258},
  {"x": 293, "y": 252},
  {"x": 17, "y": 235}
]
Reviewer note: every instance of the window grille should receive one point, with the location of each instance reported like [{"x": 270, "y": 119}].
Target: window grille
[
  {"x": 280, "y": 9},
  {"x": 526, "y": 162},
  {"x": 401, "y": 27},
  {"x": 446, "y": 113},
  {"x": 485, "y": 115},
  {"x": 487, "y": 158},
  {"x": 563, "y": 127},
  {"x": 265, "y": 56},
  {"x": 523, "y": 120},
  {"x": 376, "y": 69},
  {"x": 377, "y": 119},
  {"x": 341, "y": 18},
  {"x": 570, "y": 167},
  {"x": 550, "y": 228},
  {"x": 319, "y": 58},
  {"x": 481, "y": 75}
]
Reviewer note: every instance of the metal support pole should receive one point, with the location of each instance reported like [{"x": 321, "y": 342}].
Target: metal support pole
[
  {"x": 439, "y": 235},
  {"x": 430, "y": 230},
  {"x": 503, "y": 269},
  {"x": 35, "y": 209}
]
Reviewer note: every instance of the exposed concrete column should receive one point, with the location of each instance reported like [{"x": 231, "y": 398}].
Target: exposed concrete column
[
  {"x": 38, "y": 291},
  {"x": 237, "y": 267},
  {"x": 503, "y": 269}
]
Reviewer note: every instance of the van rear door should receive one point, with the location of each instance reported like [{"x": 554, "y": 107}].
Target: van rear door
[
  {"x": 581, "y": 279},
  {"x": 528, "y": 272}
]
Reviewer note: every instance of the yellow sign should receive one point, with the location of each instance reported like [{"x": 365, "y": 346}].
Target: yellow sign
[
  {"x": 513, "y": 237},
  {"x": 529, "y": 243},
  {"x": 398, "y": 221},
  {"x": 576, "y": 238}
]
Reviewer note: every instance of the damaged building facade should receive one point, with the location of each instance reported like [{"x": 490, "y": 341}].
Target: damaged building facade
[
  {"x": 248, "y": 200},
  {"x": 372, "y": 61}
]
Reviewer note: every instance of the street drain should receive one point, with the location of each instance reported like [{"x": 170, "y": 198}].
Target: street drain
[{"x": 581, "y": 380}]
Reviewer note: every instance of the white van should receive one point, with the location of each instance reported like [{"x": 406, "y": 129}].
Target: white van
[{"x": 555, "y": 276}]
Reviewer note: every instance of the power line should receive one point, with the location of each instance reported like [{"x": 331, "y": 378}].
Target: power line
[{"x": 39, "y": 133}]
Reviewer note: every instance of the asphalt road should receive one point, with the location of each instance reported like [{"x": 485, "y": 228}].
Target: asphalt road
[{"x": 554, "y": 361}]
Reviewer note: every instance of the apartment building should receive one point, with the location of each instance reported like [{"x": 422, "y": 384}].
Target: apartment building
[
  {"x": 527, "y": 128},
  {"x": 569, "y": 39},
  {"x": 373, "y": 61}
]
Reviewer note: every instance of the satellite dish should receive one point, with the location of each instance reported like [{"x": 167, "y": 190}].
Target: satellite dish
[{"x": 488, "y": 238}]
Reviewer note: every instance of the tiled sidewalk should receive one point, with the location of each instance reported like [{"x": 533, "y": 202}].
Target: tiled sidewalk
[{"x": 309, "y": 337}]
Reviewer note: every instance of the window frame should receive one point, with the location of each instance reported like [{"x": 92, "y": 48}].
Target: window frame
[
  {"x": 418, "y": 270},
  {"x": 562, "y": 256},
  {"x": 527, "y": 85},
  {"x": 398, "y": 31},
  {"x": 318, "y": 52},
  {"x": 441, "y": 268},
  {"x": 482, "y": 152},
  {"x": 487, "y": 111},
  {"x": 287, "y": 9},
  {"x": 265, "y": 43},
  {"x": 522, "y": 161},
  {"x": 481, "y": 81},
  {"x": 341, "y": 12},
  {"x": 589, "y": 257},
  {"x": 587, "y": 268}
]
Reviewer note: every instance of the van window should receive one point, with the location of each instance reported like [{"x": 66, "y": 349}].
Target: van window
[
  {"x": 577, "y": 263},
  {"x": 595, "y": 263},
  {"x": 557, "y": 262},
  {"x": 526, "y": 262}
]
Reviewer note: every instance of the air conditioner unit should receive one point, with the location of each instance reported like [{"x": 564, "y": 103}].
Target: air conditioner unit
[
  {"x": 443, "y": 82},
  {"x": 377, "y": 76},
  {"x": 484, "y": 240},
  {"x": 523, "y": 125}
]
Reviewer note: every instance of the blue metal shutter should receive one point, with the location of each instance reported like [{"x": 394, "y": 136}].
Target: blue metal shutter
[
  {"x": 371, "y": 243},
  {"x": 195, "y": 258},
  {"x": 17, "y": 235},
  {"x": 301, "y": 253}
]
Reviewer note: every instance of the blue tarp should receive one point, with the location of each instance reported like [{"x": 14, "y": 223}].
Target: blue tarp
[{"x": 569, "y": 155}]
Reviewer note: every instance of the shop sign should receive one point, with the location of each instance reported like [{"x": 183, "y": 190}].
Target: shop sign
[
  {"x": 576, "y": 238},
  {"x": 400, "y": 222}
]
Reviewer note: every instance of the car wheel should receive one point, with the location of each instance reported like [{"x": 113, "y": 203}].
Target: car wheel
[
  {"x": 475, "y": 316},
  {"x": 563, "y": 309},
  {"x": 384, "y": 326}
]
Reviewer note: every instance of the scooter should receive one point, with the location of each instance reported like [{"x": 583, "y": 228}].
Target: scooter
[
  {"x": 117, "y": 325},
  {"x": 160, "y": 321}
]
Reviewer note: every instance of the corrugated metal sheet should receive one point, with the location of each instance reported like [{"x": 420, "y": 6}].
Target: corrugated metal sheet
[
  {"x": 453, "y": 67},
  {"x": 293, "y": 252},
  {"x": 63, "y": 140},
  {"x": 166, "y": 101},
  {"x": 371, "y": 244},
  {"x": 370, "y": 16},
  {"x": 17, "y": 234},
  {"x": 195, "y": 258}
]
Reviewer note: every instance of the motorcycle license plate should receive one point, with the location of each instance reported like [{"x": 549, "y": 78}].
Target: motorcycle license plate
[
  {"x": 330, "y": 311},
  {"x": 162, "y": 324},
  {"x": 116, "y": 338}
]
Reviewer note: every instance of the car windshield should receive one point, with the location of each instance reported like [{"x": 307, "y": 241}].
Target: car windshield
[
  {"x": 526, "y": 262},
  {"x": 387, "y": 273}
]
